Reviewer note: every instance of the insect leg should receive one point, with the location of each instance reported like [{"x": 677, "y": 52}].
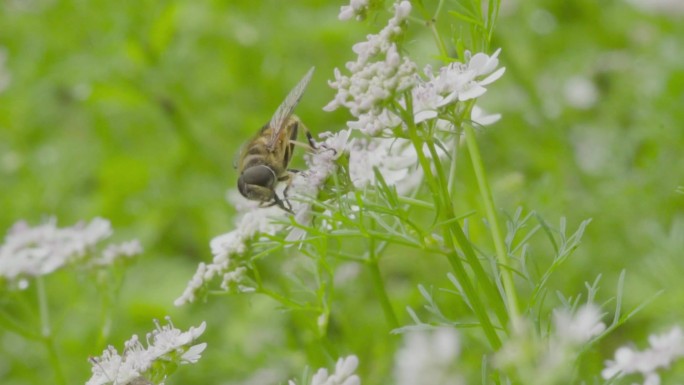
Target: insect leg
[
  {"x": 312, "y": 142},
  {"x": 281, "y": 204},
  {"x": 289, "y": 179}
]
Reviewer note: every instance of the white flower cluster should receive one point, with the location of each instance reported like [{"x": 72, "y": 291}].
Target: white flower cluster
[
  {"x": 664, "y": 350},
  {"x": 226, "y": 246},
  {"x": 114, "y": 251},
  {"x": 395, "y": 159},
  {"x": 356, "y": 9},
  {"x": 428, "y": 357},
  {"x": 579, "y": 327},
  {"x": 381, "y": 73},
  {"x": 378, "y": 74},
  {"x": 551, "y": 359},
  {"x": 34, "y": 251},
  {"x": 343, "y": 375},
  {"x": 165, "y": 344},
  {"x": 455, "y": 82},
  {"x": 320, "y": 165}
]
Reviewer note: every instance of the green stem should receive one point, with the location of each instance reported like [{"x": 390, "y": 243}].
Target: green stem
[
  {"x": 416, "y": 202},
  {"x": 492, "y": 218},
  {"x": 46, "y": 332},
  {"x": 452, "y": 168},
  {"x": 444, "y": 201},
  {"x": 456, "y": 231},
  {"x": 286, "y": 301},
  {"x": 438, "y": 39},
  {"x": 379, "y": 286}
]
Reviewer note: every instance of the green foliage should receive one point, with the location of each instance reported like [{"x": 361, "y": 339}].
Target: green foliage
[{"x": 134, "y": 111}]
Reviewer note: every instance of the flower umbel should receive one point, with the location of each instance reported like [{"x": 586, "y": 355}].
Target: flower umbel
[
  {"x": 664, "y": 350},
  {"x": 356, "y": 9},
  {"x": 427, "y": 357},
  {"x": 549, "y": 359},
  {"x": 343, "y": 375},
  {"x": 40, "y": 250},
  {"x": 378, "y": 74},
  {"x": 166, "y": 347}
]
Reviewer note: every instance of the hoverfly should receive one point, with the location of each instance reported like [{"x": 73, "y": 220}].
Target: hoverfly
[{"x": 263, "y": 160}]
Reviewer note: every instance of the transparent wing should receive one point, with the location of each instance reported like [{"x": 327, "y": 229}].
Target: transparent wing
[{"x": 287, "y": 107}]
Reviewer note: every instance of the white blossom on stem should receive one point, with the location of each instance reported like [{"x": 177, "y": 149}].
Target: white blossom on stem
[
  {"x": 251, "y": 223},
  {"x": 378, "y": 73},
  {"x": 40, "y": 250},
  {"x": 356, "y": 9},
  {"x": 549, "y": 359},
  {"x": 663, "y": 351},
  {"x": 579, "y": 327},
  {"x": 455, "y": 82},
  {"x": 395, "y": 159},
  {"x": 428, "y": 357},
  {"x": 343, "y": 374},
  {"x": 165, "y": 345},
  {"x": 320, "y": 165}
]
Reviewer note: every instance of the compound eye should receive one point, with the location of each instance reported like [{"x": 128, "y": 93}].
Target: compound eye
[{"x": 260, "y": 175}]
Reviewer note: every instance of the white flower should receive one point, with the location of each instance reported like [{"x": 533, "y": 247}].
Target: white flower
[
  {"x": 375, "y": 121},
  {"x": 428, "y": 358},
  {"x": 480, "y": 117},
  {"x": 343, "y": 375},
  {"x": 167, "y": 339},
  {"x": 224, "y": 247},
  {"x": 355, "y": 9},
  {"x": 395, "y": 159},
  {"x": 232, "y": 279},
  {"x": 193, "y": 354},
  {"x": 40, "y": 250},
  {"x": 463, "y": 81},
  {"x": 578, "y": 327},
  {"x": 113, "y": 251},
  {"x": 165, "y": 344},
  {"x": 109, "y": 369},
  {"x": 321, "y": 164},
  {"x": 378, "y": 73},
  {"x": 455, "y": 82},
  {"x": 426, "y": 101},
  {"x": 431, "y": 95},
  {"x": 664, "y": 350}
]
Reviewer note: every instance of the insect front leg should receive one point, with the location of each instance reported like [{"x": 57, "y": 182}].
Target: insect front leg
[
  {"x": 281, "y": 203},
  {"x": 287, "y": 178}
]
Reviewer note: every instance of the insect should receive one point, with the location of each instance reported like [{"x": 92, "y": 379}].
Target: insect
[{"x": 263, "y": 160}]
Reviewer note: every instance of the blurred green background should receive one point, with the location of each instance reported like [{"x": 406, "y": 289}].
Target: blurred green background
[{"x": 134, "y": 111}]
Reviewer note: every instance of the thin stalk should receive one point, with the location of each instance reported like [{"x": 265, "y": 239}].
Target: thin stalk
[
  {"x": 492, "y": 218},
  {"x": 432, "y": 23},
  {"x": 46, "y": 332},
  {"x": 438, "y": 39},
  {"x": 416, "y": 202},
  {"x": 379, "y": 286},
  {"x": 455, "y": 229},
  {"x": 447, "y": 213},
  {"x": 452, "y": 169}
]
